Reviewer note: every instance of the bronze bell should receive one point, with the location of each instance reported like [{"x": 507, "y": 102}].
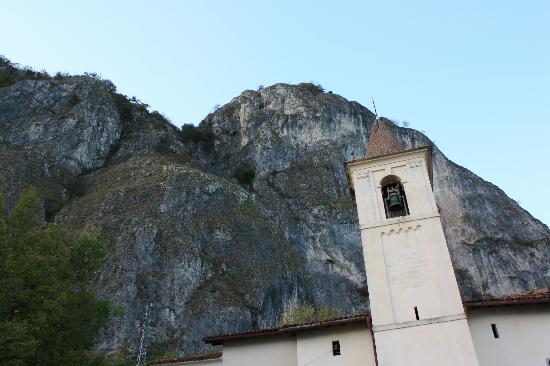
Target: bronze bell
[{"x": 393, "y": 201}]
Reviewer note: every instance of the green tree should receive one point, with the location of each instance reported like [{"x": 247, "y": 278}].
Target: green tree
[
  {"x": 49, "y": 315},
  {"x": 244, "y": 173}
]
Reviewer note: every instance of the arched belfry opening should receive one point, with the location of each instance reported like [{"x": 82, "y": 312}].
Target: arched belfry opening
[{"x": 394, "y": 197}]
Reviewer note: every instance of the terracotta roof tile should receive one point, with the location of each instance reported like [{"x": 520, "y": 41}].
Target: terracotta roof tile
[
  {"x": 200, "y": 357},
  {"x": 538, "y": 296},
  {"x": 287, "y": 329},
  {"x": 382, "y": 141}
]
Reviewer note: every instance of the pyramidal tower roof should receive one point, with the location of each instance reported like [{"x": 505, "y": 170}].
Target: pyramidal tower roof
[{"x": 382, "y": 141}]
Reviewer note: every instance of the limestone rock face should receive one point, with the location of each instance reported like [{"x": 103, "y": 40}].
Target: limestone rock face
[
  {"x": 214, "y": 255},
  {"x": 195, "y": 245},
  {"x": 71, "y": 123}
]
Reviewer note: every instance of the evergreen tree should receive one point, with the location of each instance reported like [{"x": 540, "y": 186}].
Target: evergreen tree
[{"x": 49, "y": 315}]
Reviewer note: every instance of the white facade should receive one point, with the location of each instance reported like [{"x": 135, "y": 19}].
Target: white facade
[
  {"x": 314, "y": 348},
  {"x": 266, "y": 351},
  {"x": 523, "y": 335},
  {"x": 523, "y": 339},
  {"x": 416, "y": 309},
  {"x": 214, "y": 362}
]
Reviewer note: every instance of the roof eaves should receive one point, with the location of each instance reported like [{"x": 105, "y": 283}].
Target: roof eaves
[
  {"x": 286, "y": 330},
  {"x": 200, "y": 357},
  {"x": 539, "y": 296}
]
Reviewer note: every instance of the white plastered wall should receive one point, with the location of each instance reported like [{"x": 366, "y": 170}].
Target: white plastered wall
[
  {"x": 408, "y": 265},
  {"x": 216, "y": 362},
  {"x": 265, "y": 351},
  {"x": 524, "y": 335},
  {"x": 407, "y": 259},
  {"x": 437, "y": 344},
  {"x": 356, "y": 348}
]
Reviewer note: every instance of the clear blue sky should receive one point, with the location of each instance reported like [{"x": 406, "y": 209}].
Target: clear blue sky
[{"x": 474, "y": 75}]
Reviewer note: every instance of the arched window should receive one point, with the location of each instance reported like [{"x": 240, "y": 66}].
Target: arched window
[{"x": 393, "y": 195}]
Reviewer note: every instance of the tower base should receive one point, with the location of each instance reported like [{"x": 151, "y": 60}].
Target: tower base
[{"x": 433, "y": 342}]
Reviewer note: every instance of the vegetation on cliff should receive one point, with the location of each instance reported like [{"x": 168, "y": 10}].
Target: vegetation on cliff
[
  {"x": 308, "y": 314},
  {"x": 48, "y": 313}
]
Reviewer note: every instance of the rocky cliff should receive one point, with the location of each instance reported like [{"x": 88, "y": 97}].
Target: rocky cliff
[{"x": 213, "y": 253}]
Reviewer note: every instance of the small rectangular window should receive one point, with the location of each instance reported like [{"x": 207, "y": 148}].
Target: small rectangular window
[
  {"x": 495, "y": 330},
  {"x": 336, "y": 348},
  {"x": 416, "y": 313}
]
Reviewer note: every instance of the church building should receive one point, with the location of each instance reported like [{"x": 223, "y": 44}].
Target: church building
[{"x": 417, "y": 317}]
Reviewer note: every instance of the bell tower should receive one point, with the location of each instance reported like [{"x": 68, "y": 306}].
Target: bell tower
[{"x": 417, "y": 313}]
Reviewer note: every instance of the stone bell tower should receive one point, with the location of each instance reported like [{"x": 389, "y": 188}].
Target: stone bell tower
[{"x": 417, "y": 313}]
